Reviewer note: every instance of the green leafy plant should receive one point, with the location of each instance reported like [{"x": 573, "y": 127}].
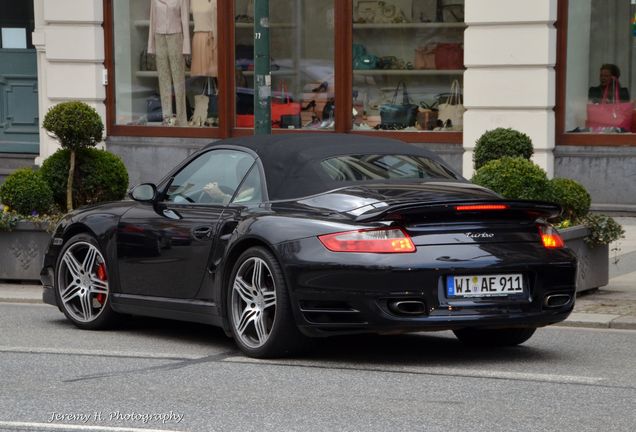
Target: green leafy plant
[
  {"x": 603, "y": 229},
  {"x": 99, "y": 176},
  {"x": 75, "y": 125},
  {"x": 518, "y": 178},
  {"x": 571, "y": 196},
  {"x": 8, "y": 219},
  {"x": 25, "y": 192},
  {"x": 514, "y": 178},
  {"x": 501, "y": 142}
]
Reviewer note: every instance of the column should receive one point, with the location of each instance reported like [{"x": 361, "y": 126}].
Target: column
[{"x": 510, "y": 54}]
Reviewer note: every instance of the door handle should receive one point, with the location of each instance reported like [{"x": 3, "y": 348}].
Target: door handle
[{"x": 202, "y": 233}]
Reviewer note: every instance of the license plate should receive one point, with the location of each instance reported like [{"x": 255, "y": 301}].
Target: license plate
[{"x": 484, "y": 285}]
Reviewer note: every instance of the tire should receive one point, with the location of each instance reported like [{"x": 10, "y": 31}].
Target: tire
[
  {"x": 81, "y": 284},
  {"x": 259, "y": 309},
  {"x": 494, "y": 337}
]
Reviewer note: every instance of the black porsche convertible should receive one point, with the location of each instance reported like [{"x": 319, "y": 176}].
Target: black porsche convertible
[{"x": 276, "y": 238}]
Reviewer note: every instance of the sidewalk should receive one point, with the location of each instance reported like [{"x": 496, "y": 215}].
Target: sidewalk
[{"x": 612, "y": 306}]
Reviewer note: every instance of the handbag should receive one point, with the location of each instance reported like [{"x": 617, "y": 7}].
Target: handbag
[
  {"x": 147, "y": 62},
  {"x": 426, "y": 119},
  {"x": 382, "y": 11},
  {"x": 365, "y": 62},
  {"x": 154, "y": 112},
  {"x": 398, "y": 115},
  {"x": 425, "y": 57},
  {"x": 449, "y": 56},
  {"x": 288, "y": 121},
  {"x": 451, "y": 112},
  {"x": 452, "y": 11},
  {"x": 610, "y": 115},
  {"x": 285, "y": 106},
  {"x": 425, "y": 11},
  {"x": 245, "y": 120}
]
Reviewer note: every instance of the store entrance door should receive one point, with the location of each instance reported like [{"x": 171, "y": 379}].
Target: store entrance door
[{"x": 19, "y": 129}]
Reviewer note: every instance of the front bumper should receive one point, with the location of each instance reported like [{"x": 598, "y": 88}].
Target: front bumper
[{"x": 48, "y": 294}]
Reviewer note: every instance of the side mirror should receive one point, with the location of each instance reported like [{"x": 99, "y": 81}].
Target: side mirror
[{"x": 145, "y": 192}]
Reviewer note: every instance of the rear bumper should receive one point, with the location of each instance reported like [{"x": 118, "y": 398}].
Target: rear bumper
[
  {"x": 357, "y": 312},
  {"x": 346, "y": 293}
]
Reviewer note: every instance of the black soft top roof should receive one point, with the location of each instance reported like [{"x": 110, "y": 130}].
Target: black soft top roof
[{"x": 290, "y": 160}]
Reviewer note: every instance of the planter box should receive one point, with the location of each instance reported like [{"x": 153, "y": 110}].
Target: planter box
[
  {"x": 593, "y": 262},
  {"x": 22, "y": 252}
]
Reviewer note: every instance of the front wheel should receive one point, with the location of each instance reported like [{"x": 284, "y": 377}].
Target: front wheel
[
  {"x": 494, "y": 337},
  {"x": 259, "y": 308},
  {"x": 81, "y": 284}
]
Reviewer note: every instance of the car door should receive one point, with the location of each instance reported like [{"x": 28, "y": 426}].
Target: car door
[{"x": 164, "y": 247}]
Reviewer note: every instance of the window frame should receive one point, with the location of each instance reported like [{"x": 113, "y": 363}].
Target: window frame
[
  {"x": 574, "y": 139},
  {"x": 343, "y": 69}
]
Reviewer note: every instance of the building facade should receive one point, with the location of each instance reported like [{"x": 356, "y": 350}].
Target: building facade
[{"x": 469, "y": 65}]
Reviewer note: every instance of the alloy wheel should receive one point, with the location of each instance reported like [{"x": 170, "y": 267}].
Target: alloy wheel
[
  {"x": 83, "y": 282},
  {"x": 253, "y": 302}
]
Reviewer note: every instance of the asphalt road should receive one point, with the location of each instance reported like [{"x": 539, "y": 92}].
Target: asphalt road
[{"x": 154, "y": 374}]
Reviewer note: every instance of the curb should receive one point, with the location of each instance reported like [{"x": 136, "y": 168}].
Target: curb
[
  {"x": 575, "y": 320},
  {"x": 599, "y": 321}
]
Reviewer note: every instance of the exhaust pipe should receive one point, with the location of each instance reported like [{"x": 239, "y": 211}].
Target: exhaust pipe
[
  {"x": 557, "y": 300},
  {"x": 407, "y": 307}
]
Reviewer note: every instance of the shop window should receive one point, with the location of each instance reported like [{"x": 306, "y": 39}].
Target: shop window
[
  {"x": 408, "y": 65},
  {"x": 601, "y": 67},
  {"x": 166, "y": 63},
  {"x": 302, "y": 63}
]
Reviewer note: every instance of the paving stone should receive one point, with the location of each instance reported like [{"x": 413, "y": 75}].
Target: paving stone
[
  {"x": 578, "y": 319},
  {"x": 624, "y": 322}
]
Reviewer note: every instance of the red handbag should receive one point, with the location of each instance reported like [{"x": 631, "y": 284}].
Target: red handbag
[
  {"x": 284, "y": 106},
  {"x": 245, "y": 120},
  {"x": 607, "y": 114},
  {"x": 449, "y": 56}
]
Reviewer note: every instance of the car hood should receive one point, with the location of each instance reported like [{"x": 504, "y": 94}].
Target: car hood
[{"x": 357, "y": 200}]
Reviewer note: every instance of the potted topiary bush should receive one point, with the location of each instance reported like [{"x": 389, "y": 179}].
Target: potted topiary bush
[
  {"x": 513, "y": 177},
  {"x": 77, "y": 174},
  {"x": 98, "y": 176},
  {"x": 75, "y": 125},
  {"x": 586, "y": 234},
  {"x": 500, "y": 142},
  {"x": 27, "y": 212}
]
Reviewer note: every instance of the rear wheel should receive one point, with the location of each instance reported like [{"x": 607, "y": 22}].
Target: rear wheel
[
  {"x": 494, "y": 337},
  {"x": 259, "y": 308},
  {"x": 81, "y": 284}
]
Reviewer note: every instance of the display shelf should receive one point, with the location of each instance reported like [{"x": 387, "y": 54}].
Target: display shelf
[
  {"x": 242, "y": 25},
  {"x": 408, "y": 72},
  {"x": 402, "y": 26},
  {"x": 152, "y": 74},
  {"x": 145, "y": 23}
]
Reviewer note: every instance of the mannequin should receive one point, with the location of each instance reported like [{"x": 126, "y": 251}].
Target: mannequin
[
  {"x": 169, "y": 39},
  {"x": 204, "y": 55}
]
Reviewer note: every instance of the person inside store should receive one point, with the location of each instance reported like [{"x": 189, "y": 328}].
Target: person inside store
[{"x": 609, "y": 82}]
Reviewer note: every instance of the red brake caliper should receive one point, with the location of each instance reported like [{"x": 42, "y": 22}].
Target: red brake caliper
[{"x": 101, "y": 274}]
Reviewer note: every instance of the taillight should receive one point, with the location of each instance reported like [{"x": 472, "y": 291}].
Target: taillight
[
  {"x": 382, "y": 240},
  {"x": 550, "y": 237},
  {"x": 481, "y": 207}
]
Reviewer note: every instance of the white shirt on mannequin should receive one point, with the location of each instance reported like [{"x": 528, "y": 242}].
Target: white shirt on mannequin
[
  {"x": 169, "y": 17},
  {"x": 204, "y": 15}
]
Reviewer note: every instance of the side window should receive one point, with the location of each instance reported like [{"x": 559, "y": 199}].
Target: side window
[
  {"x": 211, "y": 178},
  {"x": 251, "y": 190}
]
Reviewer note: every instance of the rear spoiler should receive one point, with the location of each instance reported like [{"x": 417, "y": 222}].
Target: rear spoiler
[{"x": 452, "y": 209}]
